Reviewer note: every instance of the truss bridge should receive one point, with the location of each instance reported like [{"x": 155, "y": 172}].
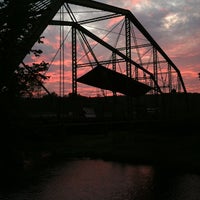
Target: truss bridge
[{"x": 92, "y": 34}]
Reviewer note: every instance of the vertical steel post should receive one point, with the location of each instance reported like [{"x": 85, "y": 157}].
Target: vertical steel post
[
  {"x": 128, "y": 64},
  {"x": 62, "y": 52},
  {"x": 128, "y": 45},
  {"x": 169, "y": 78},
  {"x": 178, "y": 84},
  {"x": 74, "y": 62},
  {"x": 114, "y": 61},
  {"x": 114, "y": 67},
  {"x": 155, "y": 65}
]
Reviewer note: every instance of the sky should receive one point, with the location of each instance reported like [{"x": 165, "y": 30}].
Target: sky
[{"x": 174, "y": 25}]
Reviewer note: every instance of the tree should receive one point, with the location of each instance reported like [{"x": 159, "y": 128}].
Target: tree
[
  {"x": 16, "y": 19},
  {"x": 28, "y": 79}
]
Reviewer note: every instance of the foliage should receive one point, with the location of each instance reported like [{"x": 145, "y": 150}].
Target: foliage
[
  {"x": 29, "y": 79},
  {"x": 17, "y": 18}
]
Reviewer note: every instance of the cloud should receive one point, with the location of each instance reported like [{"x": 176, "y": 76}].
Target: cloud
[{"x": 174, "y": 25}]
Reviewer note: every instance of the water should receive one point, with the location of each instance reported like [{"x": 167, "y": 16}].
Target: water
[{"x": 103, "y": 180}]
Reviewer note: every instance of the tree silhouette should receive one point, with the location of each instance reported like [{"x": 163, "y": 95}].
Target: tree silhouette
[
  {"x": 29, "y": 79},
  {"x": 16, "y": 20}
]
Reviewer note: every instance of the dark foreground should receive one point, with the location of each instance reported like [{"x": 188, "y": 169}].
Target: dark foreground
[{"x": 173, "y": 144}]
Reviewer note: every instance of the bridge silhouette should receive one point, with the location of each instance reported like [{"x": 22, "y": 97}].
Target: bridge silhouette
[
  {"x": 108, "y": 48},
  {"x": 127, "y": 60},
  {"x": 132, "y": 50}
]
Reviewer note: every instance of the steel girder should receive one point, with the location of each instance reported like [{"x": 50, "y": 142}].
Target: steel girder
[
  {"x": 18, "y": 40},
  {"x": 133, "y": 19},
  {"x": 46, "y": 10}
]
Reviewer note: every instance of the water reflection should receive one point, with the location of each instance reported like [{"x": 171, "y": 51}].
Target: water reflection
[
  {"x": 91, "y": 180},
  {"x": 102, "y": 180},
  {"x": 98, "y": 180}
]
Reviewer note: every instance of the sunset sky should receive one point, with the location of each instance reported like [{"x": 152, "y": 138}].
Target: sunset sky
[{"x": 174, "y": 25}]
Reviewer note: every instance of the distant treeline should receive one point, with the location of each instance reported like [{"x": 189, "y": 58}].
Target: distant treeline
[{"x": 172, "y": 106}]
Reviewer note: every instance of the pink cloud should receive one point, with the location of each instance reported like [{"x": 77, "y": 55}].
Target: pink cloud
[
  {"x": 181, "y": 46},
  {"x": 114, "y": 21}
]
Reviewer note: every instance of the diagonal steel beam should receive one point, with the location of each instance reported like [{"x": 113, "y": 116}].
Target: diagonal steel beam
[
  {"x": 98, "y": 5},
  {"x": 18, "y": 51},
  {"x": 155, "y": 44},
  {"x": 133, "y": 19},
  {"x": 108, "y": 46}
]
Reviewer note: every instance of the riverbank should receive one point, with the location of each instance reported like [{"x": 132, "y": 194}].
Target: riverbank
[{"x": 172, "y": 144}]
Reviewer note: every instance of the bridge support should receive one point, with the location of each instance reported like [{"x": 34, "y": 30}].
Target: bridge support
[{"x": 74, "y": 62}]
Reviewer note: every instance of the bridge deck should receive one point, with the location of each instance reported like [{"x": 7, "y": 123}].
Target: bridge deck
[{"x": 105, "y": 78}]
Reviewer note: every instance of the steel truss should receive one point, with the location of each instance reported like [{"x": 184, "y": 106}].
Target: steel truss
[
  {"x": 106, "y": 35},
  {"x": 134, "y": 52}
]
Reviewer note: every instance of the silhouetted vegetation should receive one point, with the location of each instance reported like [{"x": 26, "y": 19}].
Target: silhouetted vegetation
[{"x": 18, "y": 79}]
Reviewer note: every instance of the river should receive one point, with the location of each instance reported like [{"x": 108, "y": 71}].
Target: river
[{"x": 88, "y": 179}]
